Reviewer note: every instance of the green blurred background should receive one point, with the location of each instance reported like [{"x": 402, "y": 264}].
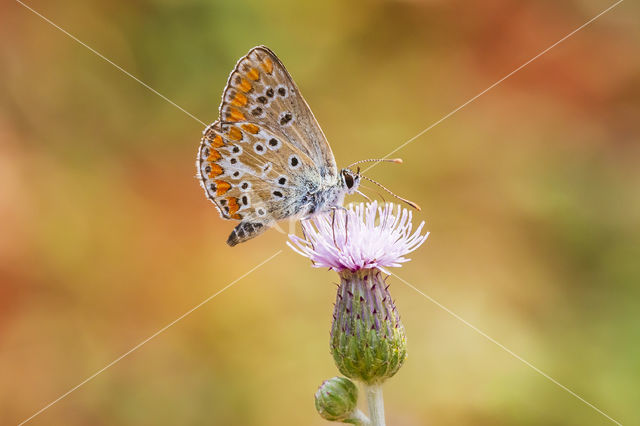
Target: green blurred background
[{"x": 531, "y": 194}]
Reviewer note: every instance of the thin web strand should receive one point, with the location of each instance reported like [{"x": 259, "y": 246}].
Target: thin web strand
[
  {"x": 504, "y": 348},
  {"x": 390, "y": 153},
  {"x": 139, "y": 345},
  {"x": 495, "y": 84},
  {"x": 112, "y": 63}
]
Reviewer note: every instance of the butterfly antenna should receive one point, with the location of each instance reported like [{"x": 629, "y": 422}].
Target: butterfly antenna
[
  {"x": 370, "y": 160},
  {"x": 411, "y": 203}
]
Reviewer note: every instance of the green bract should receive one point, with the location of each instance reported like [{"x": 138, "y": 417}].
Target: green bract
[{"x": 336, "y": 399}]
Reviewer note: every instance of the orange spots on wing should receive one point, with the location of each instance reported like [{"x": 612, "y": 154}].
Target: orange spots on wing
[
  {"x": 251, "y": 128},
  {"x": 239, "y": 100},
  {"x": 217, "y": 141},
  {"x": 244, "y": 85},
  {"x": 216, "y": 170},
  {"x": 222, "y": 187},
  {"x": 267, "y": 65},
  {"x": 233, "y": 205},
  {"x": 237, "y": 216},
  {"x": 213, "y": 156},
  {"x": 253, "y": 74},
  {"x": 236, "y": 115},
  {"x": 235, "y": 134}
]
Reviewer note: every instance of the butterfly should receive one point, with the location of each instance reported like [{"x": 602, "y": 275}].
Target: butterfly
[{"x": 266, "y": 158}]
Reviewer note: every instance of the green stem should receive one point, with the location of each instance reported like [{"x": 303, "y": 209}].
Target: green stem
[
  {"x": 376, "y": 404},
  {"x": 358, "y": 418}
]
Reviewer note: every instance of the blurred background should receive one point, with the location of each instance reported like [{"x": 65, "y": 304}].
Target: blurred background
[{"x": 531, "y": 194}]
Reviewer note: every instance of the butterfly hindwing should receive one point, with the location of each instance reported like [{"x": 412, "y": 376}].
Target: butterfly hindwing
[{"x": 251, "y": 173}]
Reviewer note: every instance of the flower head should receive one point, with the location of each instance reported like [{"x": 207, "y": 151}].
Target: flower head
[
  {"x": 359, "y": 237},
  {"x": 368, "y": 341},
  {"x": 337, "y": 399}
]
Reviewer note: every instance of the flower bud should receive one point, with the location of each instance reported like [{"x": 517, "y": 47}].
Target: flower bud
[
  {"x": 336, "y": 399},
  {"x": 367, "y": 338}
]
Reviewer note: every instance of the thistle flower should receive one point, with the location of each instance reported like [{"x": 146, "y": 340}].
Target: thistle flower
[
  {"x": 360, "y": 237},
  {"x": 367, "y": 337}
]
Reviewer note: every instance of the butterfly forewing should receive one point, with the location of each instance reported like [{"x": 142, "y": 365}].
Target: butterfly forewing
[{"x": 261, "y": 91}]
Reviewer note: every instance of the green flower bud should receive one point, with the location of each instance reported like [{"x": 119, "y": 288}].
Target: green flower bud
[
  {"x": 336, "y": 399},
  {"x": 367, "y": 338}
]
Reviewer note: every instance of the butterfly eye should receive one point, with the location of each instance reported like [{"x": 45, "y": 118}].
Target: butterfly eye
[{"x": 348, "y": 180}]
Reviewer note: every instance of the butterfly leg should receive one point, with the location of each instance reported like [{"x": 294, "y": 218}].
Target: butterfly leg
[
  {"x": 333, "y": 221},
  {"x": 333, "y": 228},
  {"x": 346, "y": 226},
  {"x": 304, "y": 234}
]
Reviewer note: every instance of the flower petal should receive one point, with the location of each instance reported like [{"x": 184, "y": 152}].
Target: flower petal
[{"x": 359, "y": 237}]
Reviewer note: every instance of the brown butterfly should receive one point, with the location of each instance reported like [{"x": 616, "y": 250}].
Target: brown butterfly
[{"x": 266, "y": 158}]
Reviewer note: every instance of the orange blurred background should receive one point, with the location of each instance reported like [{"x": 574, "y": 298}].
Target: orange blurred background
[{"x": 531, "y": 194}]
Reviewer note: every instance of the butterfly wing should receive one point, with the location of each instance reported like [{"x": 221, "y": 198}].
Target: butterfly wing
[
  {"x": 252, "y": 174},
  {"x": 258, "y": 162},
  {"x": 260, "y": 90}
]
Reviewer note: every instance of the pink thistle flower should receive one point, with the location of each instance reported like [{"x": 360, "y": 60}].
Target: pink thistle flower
[{"x": 359, "y": 237}]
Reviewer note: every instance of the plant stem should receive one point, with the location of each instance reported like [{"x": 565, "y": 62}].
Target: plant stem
[
  {"x": 358, "y": 418},
  {"x": 376, "y": 404}
]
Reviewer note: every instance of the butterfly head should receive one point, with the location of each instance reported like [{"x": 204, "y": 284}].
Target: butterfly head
[
  {"x": 350, "y": 180},
  {"x": 355, "y": 179}
]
